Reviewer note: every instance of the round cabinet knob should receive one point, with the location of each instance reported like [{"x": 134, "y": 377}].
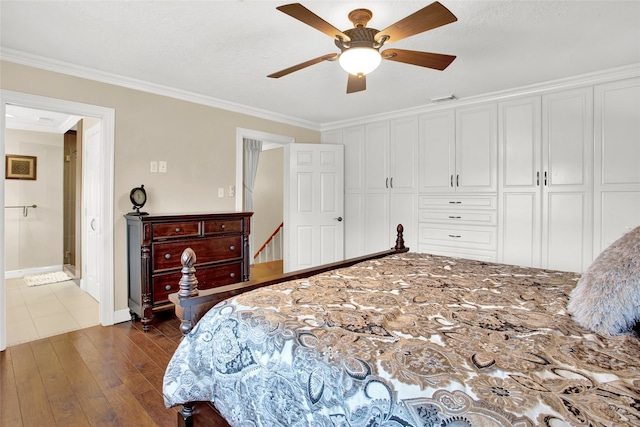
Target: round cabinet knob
[
  {"x": 177, "y": 229},
  {"x": 231, "y": 248},
  {"x": 232, "y": 275},
  {"x": 167, "y": 256},
  {"x": 167, "y": 288},
  {"x": 223, "y": 226}
]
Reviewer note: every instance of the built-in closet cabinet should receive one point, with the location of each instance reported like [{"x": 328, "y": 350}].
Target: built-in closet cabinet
[
  {"x": 457, "y": 203},
  {"x": 458, "y": 150},
  {"x": 390, "y": 160},
  {"x": 380, "y": 183},
  {"x": 545, "y": 192},
  {"x": 617, "y": 161},
  {"x": 544, "y": 178}
]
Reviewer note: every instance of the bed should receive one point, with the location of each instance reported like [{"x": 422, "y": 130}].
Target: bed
[{"x": 405, "y": 339}]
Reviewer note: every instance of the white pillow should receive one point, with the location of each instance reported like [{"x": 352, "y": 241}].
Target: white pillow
[{"x": 606, "y": 299}]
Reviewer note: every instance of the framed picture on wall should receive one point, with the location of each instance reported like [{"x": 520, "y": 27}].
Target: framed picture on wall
[{"x": 20, "y": 167}]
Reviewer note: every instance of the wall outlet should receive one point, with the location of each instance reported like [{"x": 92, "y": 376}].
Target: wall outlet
[
  {"x": 162, "y": 166},
  {"x": 153, "y": 167},
  {"x": 232, "y": 190},
  {"x": 220, "y": 192}
]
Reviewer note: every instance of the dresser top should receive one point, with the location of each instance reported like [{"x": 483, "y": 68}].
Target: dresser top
[{"x": 186, "y": 216}]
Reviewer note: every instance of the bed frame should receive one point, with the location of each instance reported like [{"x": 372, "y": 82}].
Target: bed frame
[{"x": 191, "y": 304}]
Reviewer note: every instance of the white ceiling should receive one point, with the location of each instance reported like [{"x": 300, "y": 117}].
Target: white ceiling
[{"x": 223, "y": 50}]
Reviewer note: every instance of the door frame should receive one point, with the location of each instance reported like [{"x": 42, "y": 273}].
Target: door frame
[{"x": 107, "y": 143}]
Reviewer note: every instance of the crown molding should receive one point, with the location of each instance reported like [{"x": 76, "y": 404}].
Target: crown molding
[
  {"x": 603, "y": 76},
  {"x": 36, "y": 61}
]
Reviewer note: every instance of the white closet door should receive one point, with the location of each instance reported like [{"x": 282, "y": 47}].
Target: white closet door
[
  {"x": 354, "y": 214},
  {"x": 519, "y": 203},
  {"x": 617, "y": 161},
  {"x": 567, "y": 206},
  {"x": 476, "y": 149},
  {"x": 436, "y": 166},
  {"x": 376, "y": 195}
]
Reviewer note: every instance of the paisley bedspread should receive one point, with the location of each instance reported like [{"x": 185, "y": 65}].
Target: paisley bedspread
[{"x": 408, "y": 340}]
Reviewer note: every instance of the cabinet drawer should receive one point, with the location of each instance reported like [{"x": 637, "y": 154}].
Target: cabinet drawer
[
  {"x": 460, "y": 237},
  {"x": 223, "y": 226},
  {"x": 208, "y": 277},
  {"x": 167, "y": 255},
  {"x": 457, "y": 202},
  {"x": 176, "y": 229},
  {"x": 459, "y": 217}
]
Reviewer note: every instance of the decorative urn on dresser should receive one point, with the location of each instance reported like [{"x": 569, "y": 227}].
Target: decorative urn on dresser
[{"x": 156, "y": 242}]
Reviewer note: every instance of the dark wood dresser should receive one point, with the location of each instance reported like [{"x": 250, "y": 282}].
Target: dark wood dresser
[{"x": 155, "y": 245}]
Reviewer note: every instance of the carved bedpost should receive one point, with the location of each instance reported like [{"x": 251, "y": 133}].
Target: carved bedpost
[
  {"x": 188, "y": 287},
  {"x": 400, "y": 239},
  {"x": 188, "y": 281}
]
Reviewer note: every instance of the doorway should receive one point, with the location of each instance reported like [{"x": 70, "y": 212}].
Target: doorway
[
  {"x": 267, "y": 220},
  {"x": 103, "y": 214}
]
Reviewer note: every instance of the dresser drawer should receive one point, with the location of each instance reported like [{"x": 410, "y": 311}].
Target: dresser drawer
[
  {"x": 166, "y": 255},
  {"x": 457, "y": 202},
  {"x": 223, "y": 226},
  {"x": 460, "y": 237},
  {"x": 479, "y": 217},
  {"x": 208, "y": 277},
  {"x": 176, "y": 229}
]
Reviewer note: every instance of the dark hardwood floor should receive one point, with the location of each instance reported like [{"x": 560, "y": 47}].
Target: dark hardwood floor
[{"x": 99, "y": 376}]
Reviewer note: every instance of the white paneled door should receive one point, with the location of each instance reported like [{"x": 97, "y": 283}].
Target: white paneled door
[
  {"x": 92, "y": 221},
  {"x": 314, "y": 205}
]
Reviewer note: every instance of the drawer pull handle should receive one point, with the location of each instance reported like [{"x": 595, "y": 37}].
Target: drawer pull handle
[
  {"x": 223, "y": 226},
  {"x": 167, "y": 288},
  {"x": 455, "y": 203},
  {"x": 167, "y": 256},
  {"x": 454, "y": 217},
  {"x": 232, "y": 275},
  {"x": 177, "y": 229},
  {"x": 231, "y": 248},
  {"x": 456, "y": 236}
]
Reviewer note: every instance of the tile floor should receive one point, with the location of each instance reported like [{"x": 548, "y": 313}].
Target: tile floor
[{"x": 42, "y": 311}]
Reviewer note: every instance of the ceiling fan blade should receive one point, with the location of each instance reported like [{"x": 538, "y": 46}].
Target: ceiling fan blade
[
  {"x": 328, "y": 57},
  {"x": 356, "y": 83},
  {"x": 437, "y": 61},
  {"x": 433, "y": 16},
  {"x": 301, "y": 13}
]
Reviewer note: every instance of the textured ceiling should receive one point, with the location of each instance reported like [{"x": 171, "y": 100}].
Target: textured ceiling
[{"x": 225, "y": 49}]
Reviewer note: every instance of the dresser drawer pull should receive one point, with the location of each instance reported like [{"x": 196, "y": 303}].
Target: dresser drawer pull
[
  {"x": 177, "y": 229},
  {"x": 223, "y": 226},
  {"x": 232, "y": 275},
  {"x": 455, "y": 203},
  {"x": 456, "y": 236},
  {"x": 167, "y": 256},
  {"x": 167, "y": 288},
  {"x": 454, "y": 217},
  {"x": 232, "y": 248}
]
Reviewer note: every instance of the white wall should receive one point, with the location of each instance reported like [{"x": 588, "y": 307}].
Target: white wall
[
  {"x": 197, "y": 141},
  {"x": 35, "y": 241}
]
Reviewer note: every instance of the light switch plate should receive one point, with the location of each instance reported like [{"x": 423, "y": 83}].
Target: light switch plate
[
  {"x": 162, "y": 167},
  {"x": 220, "y": 192}
]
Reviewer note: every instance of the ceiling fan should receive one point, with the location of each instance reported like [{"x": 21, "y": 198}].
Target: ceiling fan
[{"x": 360, "y": 46}]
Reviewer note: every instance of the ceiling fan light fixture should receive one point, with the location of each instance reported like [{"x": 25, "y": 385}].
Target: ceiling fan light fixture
[{"x": 360, "y": 60}]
